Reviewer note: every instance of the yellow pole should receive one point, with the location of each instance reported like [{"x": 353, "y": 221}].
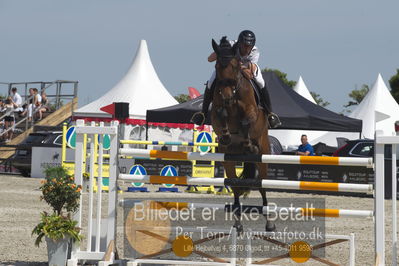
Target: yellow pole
[{"x": 63, "y": 153}]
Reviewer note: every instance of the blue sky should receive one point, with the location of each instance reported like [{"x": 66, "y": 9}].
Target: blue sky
[{"x": 334, "y": 45}]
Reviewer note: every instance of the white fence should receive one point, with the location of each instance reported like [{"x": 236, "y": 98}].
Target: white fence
[{"x": 104, "y": 257}]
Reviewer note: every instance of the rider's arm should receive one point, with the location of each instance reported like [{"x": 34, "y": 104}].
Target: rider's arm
[
  {"x": 254, "y": 55},
  {"x": 212, "y": 57}
]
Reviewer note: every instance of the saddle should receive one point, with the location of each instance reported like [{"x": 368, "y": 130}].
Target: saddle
[{"x": 257, "y": 92}]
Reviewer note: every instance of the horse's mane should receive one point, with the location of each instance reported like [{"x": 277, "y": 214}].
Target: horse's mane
[{"x": 225, "y": 49}]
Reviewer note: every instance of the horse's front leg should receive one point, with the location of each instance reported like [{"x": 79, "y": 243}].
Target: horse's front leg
[
  {"x": 225, "y": 138},
  {"x": 248, "y": 123}
]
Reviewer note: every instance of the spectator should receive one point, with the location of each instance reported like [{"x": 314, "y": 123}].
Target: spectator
[
  {"x": 44, "y": 106},
  {"x": 29, "y": 109},
  {"x": 305, "y": 148},
  {"x": 17, "y": 99},
  {"x": 37, "y": 100},
  {"x": 9, "y": 117},
  {"x": 2, "y": 135}
]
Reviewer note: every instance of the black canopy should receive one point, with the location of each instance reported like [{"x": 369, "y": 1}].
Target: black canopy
[{"x": 295, "y": 111}]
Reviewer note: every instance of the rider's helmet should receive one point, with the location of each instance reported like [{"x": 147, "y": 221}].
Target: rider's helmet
[{"x": 247, "y": 37}]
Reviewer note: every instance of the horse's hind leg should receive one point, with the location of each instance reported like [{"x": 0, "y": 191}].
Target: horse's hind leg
[
  {"x": 270, "y": 226},
  {"x": 237, "y": 211},
  {"x": 230, "y": 169}
]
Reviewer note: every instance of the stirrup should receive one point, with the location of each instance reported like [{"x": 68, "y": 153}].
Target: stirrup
[
  {"x": 198, "y": 118},
  {"x": 274, "y": 120}
]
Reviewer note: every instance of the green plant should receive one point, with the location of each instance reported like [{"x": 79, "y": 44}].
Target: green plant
[
  {"x": 62, "y": 194},
  {"x": 56, "y": 227},
  {"x": 60, "y": 191}
]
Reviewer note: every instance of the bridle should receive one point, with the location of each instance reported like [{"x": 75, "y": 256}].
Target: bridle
[{"x": 235, "y": 84}]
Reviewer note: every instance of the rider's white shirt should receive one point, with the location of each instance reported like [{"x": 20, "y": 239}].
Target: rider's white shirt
[{"x": 253, "y": 56}]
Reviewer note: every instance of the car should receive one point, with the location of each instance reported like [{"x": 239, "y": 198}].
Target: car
[
  {"x": 363, "y": 148},
  {"x": 356, "y": 148},
  {"x": 22, "y": 158}
]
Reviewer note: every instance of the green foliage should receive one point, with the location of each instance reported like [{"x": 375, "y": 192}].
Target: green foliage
[
  {"x": 292, "y": 83},
  {"x": 394, "y": 84},
  {"x": 181, "y": 98},
  {"x": 60, "y": 191},
  {"x": 357, "y": 95},
  {"x": 318, "y": 99},
  {"x": 62, "y": 194},
  {"x": 56, "y": 227},
  {"x": 282, "y": 76}
]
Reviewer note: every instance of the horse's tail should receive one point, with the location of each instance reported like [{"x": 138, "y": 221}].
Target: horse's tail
[{"x": 249, "y": 172}]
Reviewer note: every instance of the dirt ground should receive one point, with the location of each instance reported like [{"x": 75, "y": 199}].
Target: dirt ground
[{"x": 20, "y": 209}]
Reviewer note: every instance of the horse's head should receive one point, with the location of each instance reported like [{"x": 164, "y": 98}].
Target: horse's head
[{"x": 227, "y": 70}]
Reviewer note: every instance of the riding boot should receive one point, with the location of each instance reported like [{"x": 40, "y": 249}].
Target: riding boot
[
  {"x": 274, "y": 120},
  {"x": 199, "y": 117}
]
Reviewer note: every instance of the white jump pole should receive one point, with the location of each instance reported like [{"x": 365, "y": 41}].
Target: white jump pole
[
  {"x": 79, "y": 181},
  {"x": 257, "y": 158},
  {"x": 265, "y": 183},
  {"x": 91, "y": 189},
  {"x": 99, "y": 189},
  {"x": 379, "y": 204},
  {"x": 317, "y": 212},
  {"x": 394, "y": 216},
  {"x": 112, "y": 187}
]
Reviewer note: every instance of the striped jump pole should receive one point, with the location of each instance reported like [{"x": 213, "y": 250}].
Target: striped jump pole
[
  {"x": 252, "y": 183},
  {"x": 316, "y": 212},
  {"x": 254, "y": 158},
  {"x": 176, "y": 143}
]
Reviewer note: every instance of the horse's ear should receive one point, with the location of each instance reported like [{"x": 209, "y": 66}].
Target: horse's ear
[{"x": 215, "y": 46}]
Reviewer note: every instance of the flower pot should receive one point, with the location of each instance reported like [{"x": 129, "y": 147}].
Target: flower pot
[{"x": 57, "y": 251}]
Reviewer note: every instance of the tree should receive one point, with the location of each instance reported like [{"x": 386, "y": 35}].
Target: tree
[
  {"x": 292, "y": 83},
  {"x": 318, "y": 99},
  {"x": 282, "y": 76},
  {"x": 394, "y": 84},
  {"x": 181, "y": 98},
  {"x": 357, "y": 96}
]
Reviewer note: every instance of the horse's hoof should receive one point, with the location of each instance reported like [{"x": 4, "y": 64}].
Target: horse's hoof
[
  {"x": 225, "y": 140},
  {"x": 270, "y": 227},
  {"x": 255, "y": 149},
  {"x": 247, "y": 149},
  {"x": 251, "y": 149},
  {"x": 239, "y": 228}
]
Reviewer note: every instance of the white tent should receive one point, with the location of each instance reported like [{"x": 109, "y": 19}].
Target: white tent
[
  {"x": 302, "y": 90},
  {"x": 143, "y": 90},
  {"x": 140, "y": 87},
  {"x": 378, "y": 111},
  {"x": 288, "y": 138}
]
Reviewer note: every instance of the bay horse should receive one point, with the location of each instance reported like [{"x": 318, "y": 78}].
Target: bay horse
[{"x": 241, "y": 126}]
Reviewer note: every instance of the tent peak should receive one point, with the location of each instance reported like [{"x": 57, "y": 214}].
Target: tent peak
[
  {"x": 140, "y": 86},
  {"x": 302, "y": 90},
  {"x": 380, "y": 79}
]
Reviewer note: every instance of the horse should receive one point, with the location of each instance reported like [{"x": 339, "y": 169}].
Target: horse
[{"x": 238, "y": 122}]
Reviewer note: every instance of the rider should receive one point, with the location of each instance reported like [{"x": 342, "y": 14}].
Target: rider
[{"x": 248, "y": 54}]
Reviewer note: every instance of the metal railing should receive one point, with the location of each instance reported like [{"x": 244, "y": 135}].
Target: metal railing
[{"x": 56, "y": 91}]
